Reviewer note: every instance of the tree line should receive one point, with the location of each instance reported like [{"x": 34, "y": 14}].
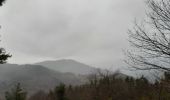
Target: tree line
[{"x": 105, "y": 87}]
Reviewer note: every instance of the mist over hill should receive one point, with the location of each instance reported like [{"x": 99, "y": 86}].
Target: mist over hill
[
  {"x": 34, "y": 77},
  {"x": 68, "y": 65}
]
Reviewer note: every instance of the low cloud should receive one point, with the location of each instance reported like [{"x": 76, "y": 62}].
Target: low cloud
[{"x": 91, "y": 31}]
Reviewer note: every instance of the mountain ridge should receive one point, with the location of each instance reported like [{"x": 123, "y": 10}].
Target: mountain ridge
[{"x": 68, "y": 65}]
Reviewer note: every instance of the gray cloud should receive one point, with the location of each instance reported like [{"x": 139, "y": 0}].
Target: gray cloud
[{"x": 91, "y": 31}]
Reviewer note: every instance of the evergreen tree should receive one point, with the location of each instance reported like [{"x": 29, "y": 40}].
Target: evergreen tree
[
  {"x": 60, "y": 92},
  {"x": 1, "y": 2},
  {"x": 16, "y": 94},
  {"x": 3, "y": 55}
]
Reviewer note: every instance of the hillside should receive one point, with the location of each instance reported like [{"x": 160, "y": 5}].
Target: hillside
[{"x": 34, "y": 77}]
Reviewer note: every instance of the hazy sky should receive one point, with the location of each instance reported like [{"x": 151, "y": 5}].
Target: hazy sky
[{"x": 89, "y": 31}]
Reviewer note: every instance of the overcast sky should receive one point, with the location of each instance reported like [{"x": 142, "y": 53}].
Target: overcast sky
[{"x": 90, "y": 31}]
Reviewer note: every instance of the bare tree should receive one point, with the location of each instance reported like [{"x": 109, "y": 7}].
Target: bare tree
[{"x": 151, "y": 38}]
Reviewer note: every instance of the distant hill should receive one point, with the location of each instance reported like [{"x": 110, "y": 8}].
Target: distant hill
[
  {"x": 34, "y": 77},
  {"x": 68, "y": 65}
]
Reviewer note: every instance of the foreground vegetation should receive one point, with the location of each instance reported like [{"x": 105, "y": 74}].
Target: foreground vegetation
[{"x": 103, "y": 87}]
